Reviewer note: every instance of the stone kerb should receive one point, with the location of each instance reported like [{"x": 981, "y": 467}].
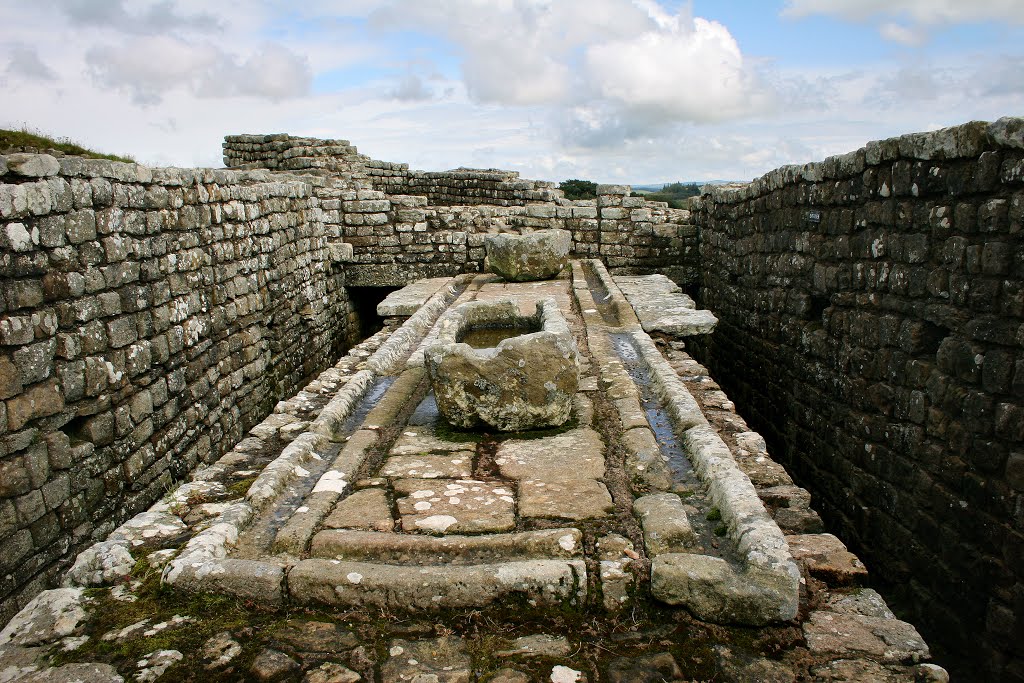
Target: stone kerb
[
  {"x": 767, "y": 587},
  {"x": 203, "y": 564}
]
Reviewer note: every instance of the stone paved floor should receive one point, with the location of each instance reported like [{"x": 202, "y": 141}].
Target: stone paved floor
[{"x": 394, "y": 558}]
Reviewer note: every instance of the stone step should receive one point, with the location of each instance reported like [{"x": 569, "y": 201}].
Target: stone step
[
  {"x": 544, "y": 583},
  {"x": 413, "y": 549}
]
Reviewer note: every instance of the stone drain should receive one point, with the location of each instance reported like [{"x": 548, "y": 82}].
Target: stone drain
[{"x": 376, "y": 503}]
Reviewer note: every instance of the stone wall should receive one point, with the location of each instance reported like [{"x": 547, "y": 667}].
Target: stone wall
[
  {"x": 404, "y": 225},
  {"x": 148, "y": 318},
  {"x": 400, "y": 238},
  {"x": 871, "y": 311},
  {"x": 461, "y": 186}
]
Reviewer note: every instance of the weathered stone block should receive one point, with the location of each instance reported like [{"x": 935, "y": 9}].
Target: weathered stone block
[
  {"x": 525, "y": 382},
  {"x": 40, "y": 400},
  {"x": 32, "y": 165},
  {"x": 535, "y": 256}
]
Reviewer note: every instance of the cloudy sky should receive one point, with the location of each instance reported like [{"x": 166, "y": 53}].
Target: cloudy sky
[{"x": 610, "y": 90}]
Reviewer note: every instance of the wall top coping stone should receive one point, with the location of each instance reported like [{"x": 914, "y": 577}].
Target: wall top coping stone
[
  {"x": 956, "y": 142},
  {"x": 23, "y": 165}
]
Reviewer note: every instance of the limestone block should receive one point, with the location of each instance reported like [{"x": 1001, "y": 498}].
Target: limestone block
[
  {"x": 50, "y": 616},
  {"x": 666, "y": 526},
  {"x": 852, "y": 635},
  {"x": 645, "y": 463},
  {"x": 521, "y": 258},
  {"x": 826, "y": 558},
  {"x": 101, "y": 564},
  {"x": 454, "y": 549},
  {"x": 341, "y": 252},
  {"x": 341, "y": 583},
  {"x": 32, "y": 165}
]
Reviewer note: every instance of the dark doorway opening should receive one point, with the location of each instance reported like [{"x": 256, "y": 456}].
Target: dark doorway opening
[{"x": 363, "y": 302}]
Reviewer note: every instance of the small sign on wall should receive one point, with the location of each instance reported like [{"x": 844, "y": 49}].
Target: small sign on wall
[{"x": 814, "y": 216}]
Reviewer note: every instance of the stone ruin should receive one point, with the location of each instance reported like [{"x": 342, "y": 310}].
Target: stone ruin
[{"x": 191, "y": 408}]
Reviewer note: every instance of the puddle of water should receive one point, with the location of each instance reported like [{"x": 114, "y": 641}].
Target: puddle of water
[
  {"x": 261, "y": 533},
  {"x": 489, "y": 337},
  {"x": 661, "y": 424},
  {"x": 426, "y": 412}
]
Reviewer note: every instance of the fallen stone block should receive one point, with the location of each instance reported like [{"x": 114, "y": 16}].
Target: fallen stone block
[
  {"x": 714, "y": 591},
  {"x": 535, "y": 256},
  {"x": 826, "y": 558}
]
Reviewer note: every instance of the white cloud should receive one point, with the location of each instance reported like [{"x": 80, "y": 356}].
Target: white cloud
[
  {"x": 689, "y": 70},
  {"x": 907, "y": 21},
  {"x": 610, "y": 68},
  {"x": 145, "y": 17},
  {"x": 149, "y": 67},
  {"x": 411, "y": 88},
  {"x": 25, "y": 62},
  {"x": 901, "y": 34}
]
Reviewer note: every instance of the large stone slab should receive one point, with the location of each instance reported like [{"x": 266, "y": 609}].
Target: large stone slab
[
  {"x": 845, "y": 635},
  {"x": 455, "y": 506},
  {"x": 407, "y": 300},
  {"x": 535, "y": 256},
  {"x": 567, "y": 499},
  {"x": 662, "y": 307},
  {"x": 457, "y": 465},
  {"x": 575, "y": 454},
  {"x": 422, "y": 439},
  {"x": 366, "y": 509},
  {"x": 451, "y": 549}
]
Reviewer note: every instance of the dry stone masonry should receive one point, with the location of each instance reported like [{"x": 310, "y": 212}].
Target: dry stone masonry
[
  {"x": 185, "y": 401},
  {"x": 870, "y": 320}
]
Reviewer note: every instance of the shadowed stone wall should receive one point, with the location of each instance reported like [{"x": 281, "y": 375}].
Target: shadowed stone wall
[
  {"x": 148, "y": 318},
  {"x": 870, "y": 326},
  {"x": 404, "y": 225}
]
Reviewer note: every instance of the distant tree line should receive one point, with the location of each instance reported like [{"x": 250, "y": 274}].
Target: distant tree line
[
  {"x": 578, "y": 189},
  {"x": 676, "y": 194}
]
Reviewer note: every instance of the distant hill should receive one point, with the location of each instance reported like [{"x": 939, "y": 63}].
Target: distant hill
[{"x": 656, "y": 187}]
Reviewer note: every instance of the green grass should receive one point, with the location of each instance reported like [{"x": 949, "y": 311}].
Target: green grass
[{"x": 37, "y": 139}]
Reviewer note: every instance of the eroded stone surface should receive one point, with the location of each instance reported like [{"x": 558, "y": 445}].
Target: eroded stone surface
[
  {"x": 535, "y": 256},
  {"x": 458, "y": 465},
  {"x": 837, "y": 634},
  {"x": 50, "y": 616},
  {"x": 566, "y": 499},
  {"x": 442, "y": 660},
  {"x": 827, "y": 559},
  {"x": 100, "y": 564},
  {"x": 364, "y": 509},
  {"x": 455, "y": 506},
  {"x": 575, "y": 454},
  {"x": 526, "y": 382},
  {"x": 541, "y": 645}
]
